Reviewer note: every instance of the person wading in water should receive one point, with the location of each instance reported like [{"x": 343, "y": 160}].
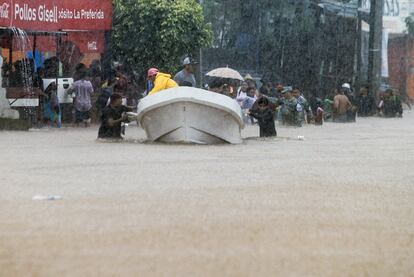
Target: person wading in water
[{"x": 112, "y": 118}]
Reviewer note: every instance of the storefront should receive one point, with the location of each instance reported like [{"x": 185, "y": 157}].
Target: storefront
[{"x": 52, "y": 35}]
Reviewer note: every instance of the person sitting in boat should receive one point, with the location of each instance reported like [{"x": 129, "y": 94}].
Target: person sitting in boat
[{"x": 160, "y": 81}]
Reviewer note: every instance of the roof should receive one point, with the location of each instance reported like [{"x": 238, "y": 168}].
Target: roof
[{"x": 348, "y": 10}]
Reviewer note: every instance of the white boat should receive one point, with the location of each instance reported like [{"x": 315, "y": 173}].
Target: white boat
[{"x": 189, "y": 115}]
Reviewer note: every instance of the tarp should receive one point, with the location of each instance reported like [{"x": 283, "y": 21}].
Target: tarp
[{"x": 56, "y": 15}]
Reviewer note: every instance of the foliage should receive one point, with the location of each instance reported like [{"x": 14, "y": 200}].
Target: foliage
[
  {"x": 409, "y": 21},
  {"x": 291, "y": 41},
  {"x": 263, "y": 31},
  {"x": 158, "y": 33},
  {"x": 230, "y": 18}
]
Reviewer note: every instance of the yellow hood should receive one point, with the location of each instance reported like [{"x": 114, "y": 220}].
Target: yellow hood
[
  {"x": 165, "y": 75},
  {"x": 163, "y": 81}
]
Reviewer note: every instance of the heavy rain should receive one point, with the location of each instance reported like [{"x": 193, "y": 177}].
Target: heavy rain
[{"x": 206, "y": 138}]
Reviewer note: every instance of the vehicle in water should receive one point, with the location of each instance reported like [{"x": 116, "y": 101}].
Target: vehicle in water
[{"x": 190, "y": 115}]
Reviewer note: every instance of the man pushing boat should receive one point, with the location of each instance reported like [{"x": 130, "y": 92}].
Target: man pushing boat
[{"x": 112, "y": 118}]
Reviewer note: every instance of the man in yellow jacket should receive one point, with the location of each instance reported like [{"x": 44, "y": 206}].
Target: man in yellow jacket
[{"x": 161, "y": 81}]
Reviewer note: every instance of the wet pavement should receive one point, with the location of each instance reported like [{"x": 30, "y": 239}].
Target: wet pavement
[{"x": 338, "y": 203}]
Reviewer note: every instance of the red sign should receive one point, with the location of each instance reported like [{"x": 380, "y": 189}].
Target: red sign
[
  {"x": 86, "y": 42},
  {"x": 56, "y": 15}
]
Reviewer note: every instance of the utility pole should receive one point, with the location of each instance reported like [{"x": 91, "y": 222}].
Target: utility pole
[
  {"x": 201, "y": 81},
  {"x": 375, "y": 45},
  {"x": 358, "y": 48}
]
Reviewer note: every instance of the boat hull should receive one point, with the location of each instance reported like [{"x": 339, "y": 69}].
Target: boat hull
[{"x": 187, "y": 115}]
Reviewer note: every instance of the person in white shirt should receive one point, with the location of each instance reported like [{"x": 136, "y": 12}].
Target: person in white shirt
[{"x": 242, "y": 92}]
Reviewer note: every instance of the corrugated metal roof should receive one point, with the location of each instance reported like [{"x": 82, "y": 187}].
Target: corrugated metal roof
[{"x": 349, "y": 10}]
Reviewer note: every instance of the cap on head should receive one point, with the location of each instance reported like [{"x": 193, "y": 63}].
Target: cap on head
[
  {"x": 188, "y": 61},
  {"x": 152, "y": 72},
  {"x": 248, "y": 77},
  {"x": 346, "y": 85},
  {"x": 287, "y": 89}
]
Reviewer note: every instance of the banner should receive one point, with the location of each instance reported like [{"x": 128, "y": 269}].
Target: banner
[
  {"x": 86, "y": 42},
  {"x": 56, "y": 15}
]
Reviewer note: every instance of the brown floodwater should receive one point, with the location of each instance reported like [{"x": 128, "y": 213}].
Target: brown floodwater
[{"x": 339, "y": 203}]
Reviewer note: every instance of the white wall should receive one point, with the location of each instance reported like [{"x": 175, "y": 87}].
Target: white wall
[{"x": 395, "y": 12}]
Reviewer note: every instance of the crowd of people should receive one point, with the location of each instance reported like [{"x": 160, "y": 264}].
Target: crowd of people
[
  {"x": 108, "y": 100},
  {"x": 290, "y": 107},
  {"x": 105, "y": 100}
]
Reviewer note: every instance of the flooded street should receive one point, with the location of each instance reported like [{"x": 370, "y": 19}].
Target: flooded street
[{"x": 341, "y": 202}]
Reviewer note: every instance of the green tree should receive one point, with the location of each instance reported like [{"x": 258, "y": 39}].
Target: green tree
[
  {"x": 266, "y": 35},
  {"x": 409, "y": 21},
  {"x": 230, "y": 18},
  {"x": 157, "y": 33}
]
